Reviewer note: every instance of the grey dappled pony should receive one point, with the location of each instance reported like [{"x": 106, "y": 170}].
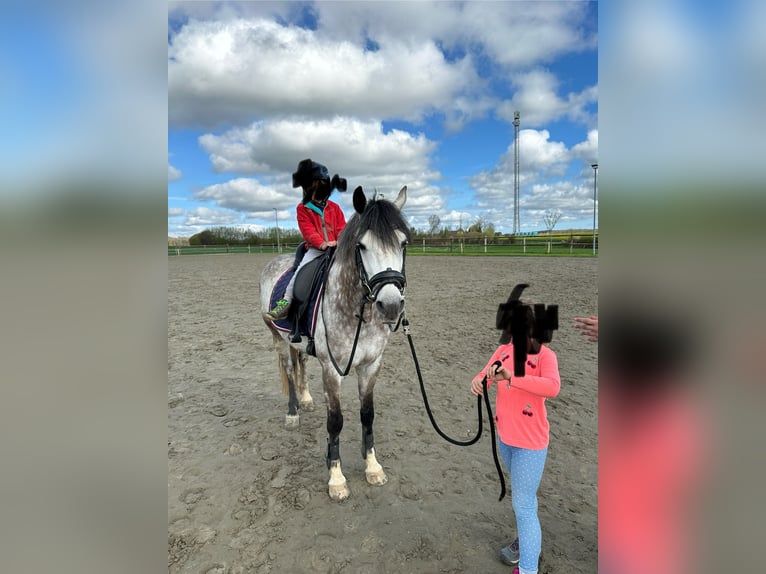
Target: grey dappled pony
[{"x": 367, "y": 273}]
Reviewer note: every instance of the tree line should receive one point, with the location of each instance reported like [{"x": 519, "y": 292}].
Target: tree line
[
  {"x": 479, "y": 228},
  {"x": 239, "y": 236}
]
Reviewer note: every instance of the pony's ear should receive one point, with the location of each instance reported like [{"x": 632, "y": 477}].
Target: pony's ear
[
  {"x": 401, "y": 198},
  {"x": 360, "y": 200}
]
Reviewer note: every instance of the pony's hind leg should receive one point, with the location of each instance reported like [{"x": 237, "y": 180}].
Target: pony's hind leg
[
  {"x": 305, "y": 401},
  {"x": 287, "y": 375}
]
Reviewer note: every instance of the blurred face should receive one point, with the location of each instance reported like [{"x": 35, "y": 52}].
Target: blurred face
[{"x": 320, "y": 189}]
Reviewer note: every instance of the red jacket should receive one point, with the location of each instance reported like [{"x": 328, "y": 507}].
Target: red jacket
[{"x": 313, "y": 226}]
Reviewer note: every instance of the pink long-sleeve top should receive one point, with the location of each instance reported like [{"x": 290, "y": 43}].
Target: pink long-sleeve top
[{"x": 520, "y": 415}]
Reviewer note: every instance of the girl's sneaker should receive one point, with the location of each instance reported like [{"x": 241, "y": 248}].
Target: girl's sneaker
[
  {"x": 280, "y": 310},
  {"x": 510, "y": 554}
]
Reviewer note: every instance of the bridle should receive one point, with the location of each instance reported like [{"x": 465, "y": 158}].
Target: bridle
[{"x": 372, "y": 286}]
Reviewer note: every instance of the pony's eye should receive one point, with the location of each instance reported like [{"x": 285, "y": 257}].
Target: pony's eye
[
  {"x": 405, "y": 243},
  {"x": 362, "y": 246}
]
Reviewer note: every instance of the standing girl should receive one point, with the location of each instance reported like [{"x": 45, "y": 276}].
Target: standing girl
[{"x": 523, "y": 433}]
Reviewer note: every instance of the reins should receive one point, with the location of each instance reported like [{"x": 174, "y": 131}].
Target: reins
[
  {"x": 406, "y": 329},
  {"x": 356, "y": 339}
]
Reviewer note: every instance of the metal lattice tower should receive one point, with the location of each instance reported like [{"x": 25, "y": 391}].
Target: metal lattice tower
[{"x": 516, "y": 225}]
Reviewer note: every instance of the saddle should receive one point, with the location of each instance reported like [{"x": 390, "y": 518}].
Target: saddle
[{"x": 301, "y": 318}]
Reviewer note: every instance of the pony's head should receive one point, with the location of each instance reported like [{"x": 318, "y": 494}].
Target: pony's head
[{"x": 376, "y": 238}]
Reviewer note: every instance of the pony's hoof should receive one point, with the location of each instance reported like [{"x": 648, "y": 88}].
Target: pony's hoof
[
  {"x": 378, "y": 478},
  {"x": 339, "y": 492},
  {"x": 307, "y": 406},
  {"x": 292, "y": 422}
]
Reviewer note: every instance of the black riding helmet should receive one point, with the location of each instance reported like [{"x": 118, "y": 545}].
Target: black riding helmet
[{"x": 310, "y": 171}]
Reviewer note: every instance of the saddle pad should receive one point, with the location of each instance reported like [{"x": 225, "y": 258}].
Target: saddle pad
[{"x": 307, "y": 323}]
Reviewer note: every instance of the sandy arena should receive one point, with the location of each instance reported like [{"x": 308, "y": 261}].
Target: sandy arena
[{"x": 247, "y": 496}]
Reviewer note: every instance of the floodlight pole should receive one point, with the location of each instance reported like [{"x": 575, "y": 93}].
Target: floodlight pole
[
  {"x": 276, "y": 218},
  {"x": 595, "y": 178}
]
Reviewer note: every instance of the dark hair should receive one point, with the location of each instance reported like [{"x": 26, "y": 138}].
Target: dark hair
[
  {"x": 526, "y": 325},
  {"x": 310, "y": 171}
]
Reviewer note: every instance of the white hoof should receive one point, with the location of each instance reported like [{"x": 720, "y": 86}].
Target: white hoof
[
  {"x": 337, "y": 487},
  {"x": 292, "y": 422},
  {"x": 307, "y": 406},
  {"x": 373, "y": 471},
  {"x": 378, "y": 478},
  {"x": 339, "y": 492}
]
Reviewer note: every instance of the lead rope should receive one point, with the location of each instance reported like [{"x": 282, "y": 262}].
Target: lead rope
[{"x": 406, "y": 330}]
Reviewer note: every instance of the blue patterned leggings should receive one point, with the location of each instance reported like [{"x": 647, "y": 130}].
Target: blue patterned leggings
[{"x": 526, "y": 469}]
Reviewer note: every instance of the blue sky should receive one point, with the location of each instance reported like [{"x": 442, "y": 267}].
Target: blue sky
[{"x": 385, "y": 94}]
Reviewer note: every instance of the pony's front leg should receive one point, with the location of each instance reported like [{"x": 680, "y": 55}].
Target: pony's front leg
[
  {"x": 337, "y": 485},
  {"x": 373, "y": 470}
]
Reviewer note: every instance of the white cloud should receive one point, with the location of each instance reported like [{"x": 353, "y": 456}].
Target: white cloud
[
  {"x": 173, "y": 173},
  {"x": 202, "y": 217},
  {"x": 537, "y": 99},
  {"x": 241, "y": 70},
  {"x": 175, "y": 212},
  {"x": 246, "y": 195},
  {"x": 565, "y": 196},
  {"x": 539, "y": 32},
  {"x": 542, "y": 183},
  {"x": 454, "y": 219},
  {"x": 537, "y": 153},
  {"x": 587, "y": 150},
  {"x": 538, "y": 157},
  {"x": 509, "y": 35},
  {"x": 344, "y": 145},
  {"x": 359, "y": 151},
  {"x": 238, "y": 65}
]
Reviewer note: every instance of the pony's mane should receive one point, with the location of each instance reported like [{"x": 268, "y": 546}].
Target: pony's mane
[{"x": 381, "y": 217}]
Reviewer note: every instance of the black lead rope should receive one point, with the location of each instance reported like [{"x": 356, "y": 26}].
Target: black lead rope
[
  {"x": 344, "y": 372},
  {"x": 406, "y": 327}
]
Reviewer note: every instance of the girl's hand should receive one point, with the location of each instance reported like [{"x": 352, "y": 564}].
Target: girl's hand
[
  {"x": 332, "y": 243},
  {"x": 476, "y": 385},
  {"x": 498, "y": 373},
  {"x": 323, "y": 246}
]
